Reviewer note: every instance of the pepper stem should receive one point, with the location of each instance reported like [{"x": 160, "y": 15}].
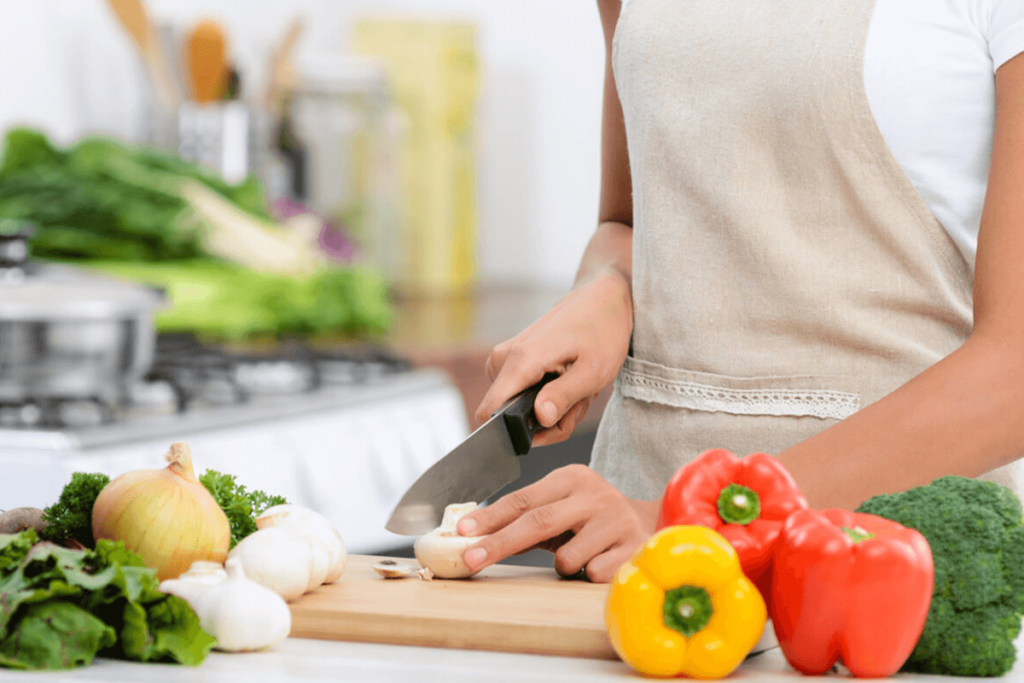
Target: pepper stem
[
  {"x": 857, "y": 534},
  {"x": 687, "y": 609},
  {"x": 738, "y": 504}
]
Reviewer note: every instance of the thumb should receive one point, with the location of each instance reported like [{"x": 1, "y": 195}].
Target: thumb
[{"x": 559, "y": 395}]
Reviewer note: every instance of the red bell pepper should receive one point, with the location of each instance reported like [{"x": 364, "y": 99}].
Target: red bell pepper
[
  {"x": 850, "y": 587},
  {"x": 746, "y": 500}
]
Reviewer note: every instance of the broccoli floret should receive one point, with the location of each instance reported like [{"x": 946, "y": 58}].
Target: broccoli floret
[{"x": 976, "y": 532}]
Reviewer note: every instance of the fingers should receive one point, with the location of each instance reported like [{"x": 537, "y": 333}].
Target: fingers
[
  {"x": 513, "y": 371},
  {"x": 507, "y": 509},
  {"x": 602, "y": 568},
  {"x": 546, "y": 522},
  {"x": 565, "y": 427},
  {"x": 559, "y": 396},
  {"x": 574, "y": 512},
  {"x": 581, "y": 549}
]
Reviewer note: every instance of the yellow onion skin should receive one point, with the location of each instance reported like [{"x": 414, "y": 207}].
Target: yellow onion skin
[{"x": 166, "y": 516}]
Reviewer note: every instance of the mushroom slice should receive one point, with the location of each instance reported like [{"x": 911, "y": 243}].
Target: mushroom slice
[{"x": 390, "y": 569}]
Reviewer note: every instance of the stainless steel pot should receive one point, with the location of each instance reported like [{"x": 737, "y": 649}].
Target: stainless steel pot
[{"x": 68, "y": 334}]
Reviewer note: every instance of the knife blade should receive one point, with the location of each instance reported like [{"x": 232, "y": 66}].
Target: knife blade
[{"x": 475, "y": 470}]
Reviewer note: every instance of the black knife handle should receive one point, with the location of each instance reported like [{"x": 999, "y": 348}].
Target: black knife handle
[{"x": 520, "y": 420}]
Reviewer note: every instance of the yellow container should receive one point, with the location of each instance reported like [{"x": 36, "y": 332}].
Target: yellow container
[{"x": 434, "y": 76}]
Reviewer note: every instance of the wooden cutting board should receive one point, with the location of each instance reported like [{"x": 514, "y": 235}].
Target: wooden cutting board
[{"x": 504, "y": 608}]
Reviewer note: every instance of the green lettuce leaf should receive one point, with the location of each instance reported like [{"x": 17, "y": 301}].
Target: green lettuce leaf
[
  {"x": 14, "y": 549},
  {"x": 55, "y": 635},
  {"x": 61, "y": 607}
]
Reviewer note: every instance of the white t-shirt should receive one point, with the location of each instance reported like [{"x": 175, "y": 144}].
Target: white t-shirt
[{"x": 929, "y": 74}]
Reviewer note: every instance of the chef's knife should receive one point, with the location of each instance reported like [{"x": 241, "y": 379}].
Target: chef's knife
[{"x": 477, "y": 469}]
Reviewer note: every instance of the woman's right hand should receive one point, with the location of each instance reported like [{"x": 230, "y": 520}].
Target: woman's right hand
[{"x": 584, "y": 338}]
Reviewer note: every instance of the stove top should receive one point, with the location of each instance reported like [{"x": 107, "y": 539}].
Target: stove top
[{"x": 198, "y": 384}]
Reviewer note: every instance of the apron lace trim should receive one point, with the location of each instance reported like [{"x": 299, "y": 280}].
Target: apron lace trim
[{"x": 821, "y": 403}]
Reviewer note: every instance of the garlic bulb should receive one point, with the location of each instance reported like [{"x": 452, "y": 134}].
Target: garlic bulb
[
  {"x": 314, "y": 526},
  {"x": 278, "y": 559},
  {"x": 167, "y": 516},
  {"x": 241, "y": 614},
  {"x": 199, "y": 577},
  {"x": 440, "y": 551}
]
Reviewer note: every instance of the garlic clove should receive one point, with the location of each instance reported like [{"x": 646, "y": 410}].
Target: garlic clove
[
  {"x": 425, "y": 574},
  {"x": 321, "y": 562},
  {"x": 200, "y": 576},
  {"x": 278, "y": 559},
  {"x": 390, "y": 569},
  {"x": 241, "y": 614},
  {"x": 338, "y": 564},
  {"x": 309, "y": 523},
  {"x": 440, "y": 550},
  {"x": 205, "y": 572}
]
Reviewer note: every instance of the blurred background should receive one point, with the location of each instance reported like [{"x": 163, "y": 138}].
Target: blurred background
[
  {"x": 288, "y": 233},
  {"x": 531, "y": 96}
]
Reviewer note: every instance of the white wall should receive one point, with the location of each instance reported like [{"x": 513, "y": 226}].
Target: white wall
[{"x": 66, "y": 66}]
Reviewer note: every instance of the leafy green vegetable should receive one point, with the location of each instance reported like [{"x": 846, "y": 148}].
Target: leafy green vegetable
[
  {"x": 13, "y": 549},
  {"x": 70, "y": 518},
  {"x": 106, "y": 199},
  {"x": 242, "y": 507},
  {"x": 976, "y": 532},
  {"x": 220, "y": 300},
  {"x": 61, "y": 607},
  {"x": 120, "y": 207}
]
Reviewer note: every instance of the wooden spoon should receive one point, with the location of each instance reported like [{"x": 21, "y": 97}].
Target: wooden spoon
[
  {"x": 132, "y": 16},
  {"x": 206, "y": 56}
]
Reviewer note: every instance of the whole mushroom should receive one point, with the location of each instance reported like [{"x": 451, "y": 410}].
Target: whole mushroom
[{"x": 441, "y": 550}]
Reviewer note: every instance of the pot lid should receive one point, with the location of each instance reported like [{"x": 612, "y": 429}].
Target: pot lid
[{"x": 31, "y": 291}]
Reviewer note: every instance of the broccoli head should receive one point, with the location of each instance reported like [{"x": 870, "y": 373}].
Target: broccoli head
[{"x": 976, "y": 532}]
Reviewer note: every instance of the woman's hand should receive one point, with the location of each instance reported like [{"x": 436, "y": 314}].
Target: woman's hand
[
  {"x": 574, "y": 513},
  {"x": 584, "y": 338}
]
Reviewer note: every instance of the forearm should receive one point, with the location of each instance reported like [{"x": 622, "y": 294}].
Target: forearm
[
  {"x": 610, "y": 250},
  {"x": 961, "y": 416},
  {"x": 611, "y": 247}
]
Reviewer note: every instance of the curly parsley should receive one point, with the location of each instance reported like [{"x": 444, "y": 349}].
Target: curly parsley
[
  {"x": 242, "y": 507},
  {"x": 70, "y": 518}
]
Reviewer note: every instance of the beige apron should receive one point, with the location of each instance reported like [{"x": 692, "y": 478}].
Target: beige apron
[{"x": 786, "y": 273}]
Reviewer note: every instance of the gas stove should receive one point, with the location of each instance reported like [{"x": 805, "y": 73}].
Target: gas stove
[{"x": 342, "y": 432}]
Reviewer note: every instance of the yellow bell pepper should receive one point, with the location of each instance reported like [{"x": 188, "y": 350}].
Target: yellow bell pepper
[{"x": 682, "y": 606}]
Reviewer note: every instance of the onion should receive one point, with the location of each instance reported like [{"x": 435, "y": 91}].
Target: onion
[{"x": 166, "y": 516}]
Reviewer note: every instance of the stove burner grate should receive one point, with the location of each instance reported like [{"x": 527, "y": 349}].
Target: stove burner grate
[{"x": 198, "y": 372}]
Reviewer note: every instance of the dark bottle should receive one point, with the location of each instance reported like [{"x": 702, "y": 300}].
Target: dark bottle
[{"x": 294, "y": 154}]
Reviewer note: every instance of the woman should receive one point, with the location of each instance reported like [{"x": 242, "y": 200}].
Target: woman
[{"x": 791, "y": 199}]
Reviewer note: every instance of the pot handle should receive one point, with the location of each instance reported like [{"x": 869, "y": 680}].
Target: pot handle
[{"x": 14, "y": 244}]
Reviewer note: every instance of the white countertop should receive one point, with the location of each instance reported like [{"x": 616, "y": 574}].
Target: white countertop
[{"x": 298, "y": 659}]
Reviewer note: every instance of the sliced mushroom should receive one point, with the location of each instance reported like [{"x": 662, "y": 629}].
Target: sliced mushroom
[{"x": 390, "y": 569}]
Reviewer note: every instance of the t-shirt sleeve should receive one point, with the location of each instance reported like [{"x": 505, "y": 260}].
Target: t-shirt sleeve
[{"x": 1005, "y": 30}]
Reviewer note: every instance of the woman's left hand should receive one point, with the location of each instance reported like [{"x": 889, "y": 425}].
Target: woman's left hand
[{"x": 574, "y": 513}]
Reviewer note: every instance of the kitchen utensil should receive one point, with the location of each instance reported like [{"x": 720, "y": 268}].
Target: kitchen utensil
[
  {"x": 504, "y": 608},
  {"x": 66, "y": 334},
  {"x": 282, "y": 78},
  {"x": 132, "y": 16},
  {"x": 335, "y": 143},
  {"x": 477, "y": 469},
  {"x": 206, "y": 55}
]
